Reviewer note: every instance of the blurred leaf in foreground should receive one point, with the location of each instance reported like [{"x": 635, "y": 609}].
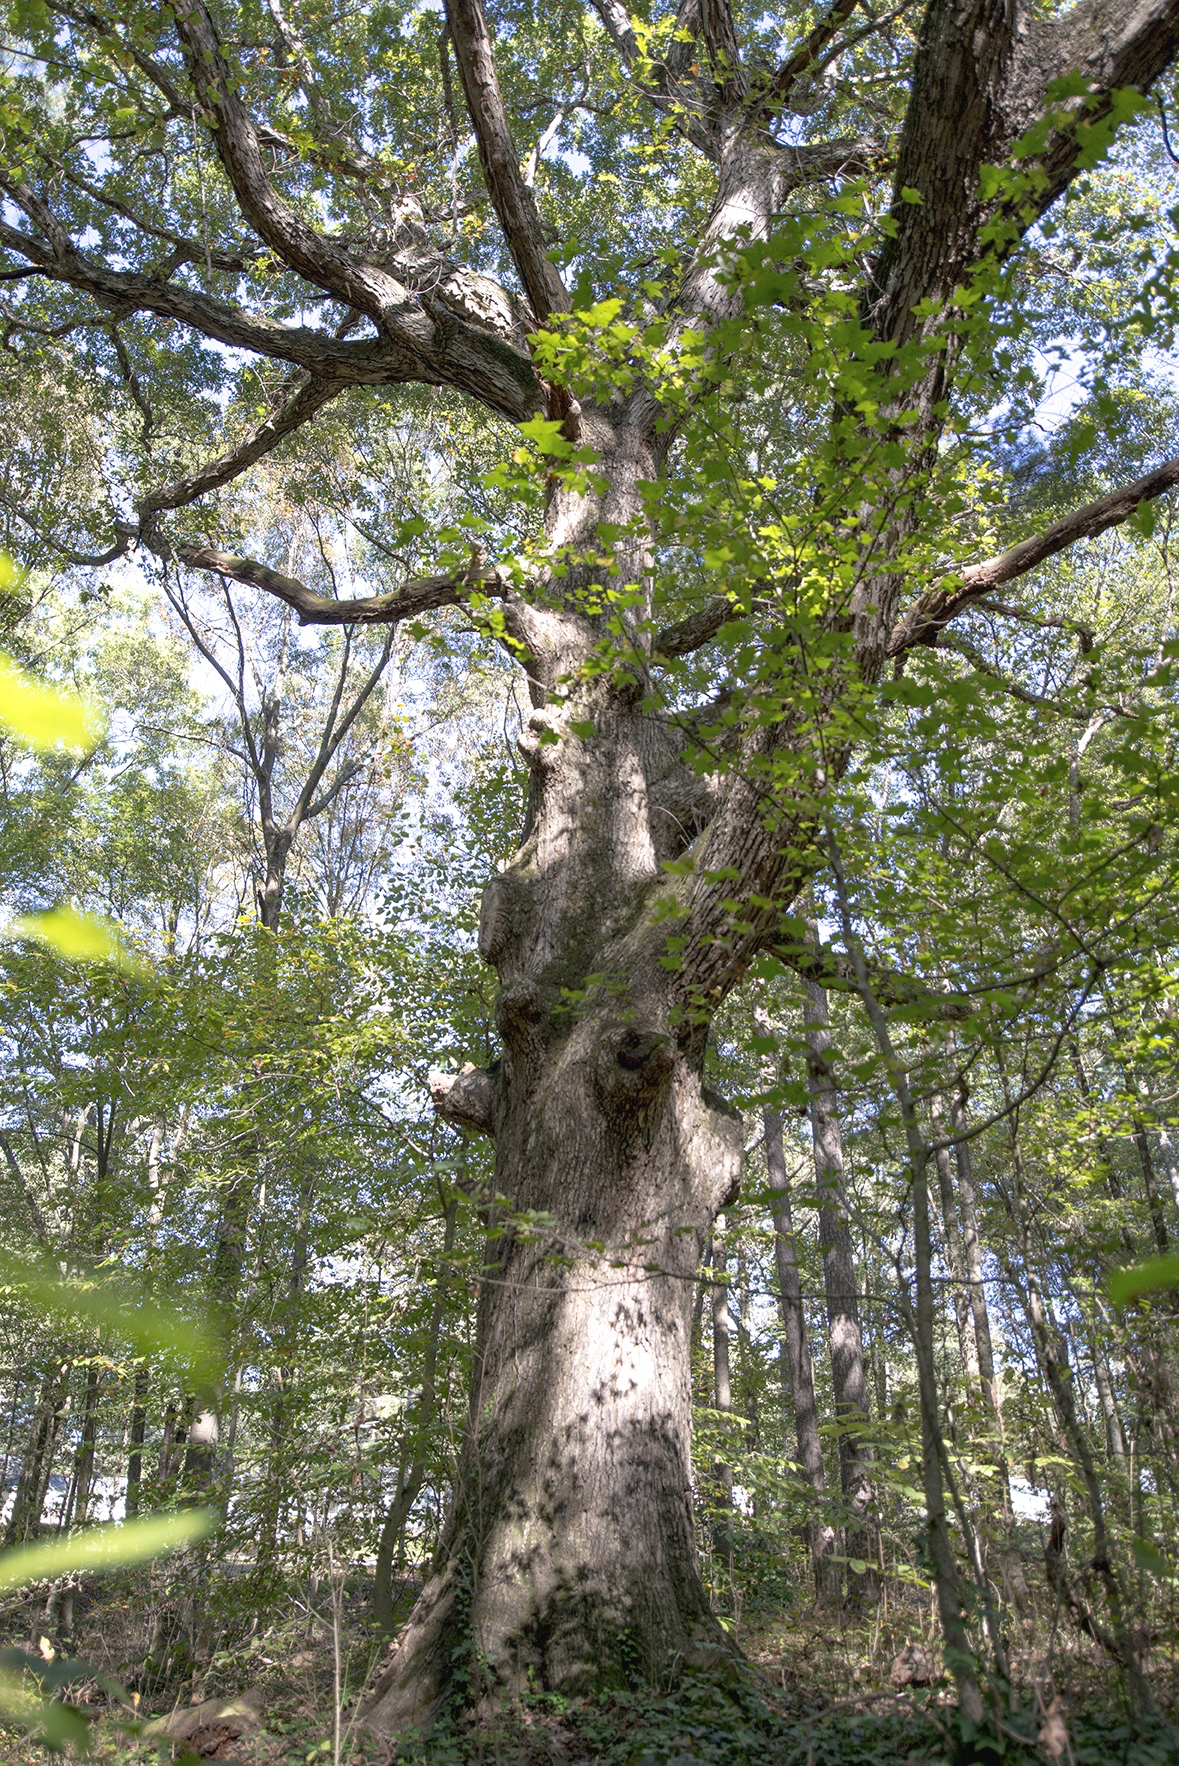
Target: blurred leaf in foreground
[
  {"x": 81, "y": 937},
  {"x": 150, "y": 1325},
  {"x": 105, "y": 1548},
  {"x": 1143, "y": 1278}
]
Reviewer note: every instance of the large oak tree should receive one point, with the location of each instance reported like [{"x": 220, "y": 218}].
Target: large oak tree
[{"x": 295, "y": 189}]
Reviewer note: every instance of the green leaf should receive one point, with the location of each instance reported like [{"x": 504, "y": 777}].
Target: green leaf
[
  {"x": 1125, "y": 1285},
  {"x": 119, "y": 1308},
  {"x": 81, "y": 937},
  {"x": 57, "y": 1725},
  {"x": 547, "y": 436},
  {"x": 601, "y": 315},
  {"x": 105, "y": 1548},
  {"x": 1152, "y": 1561},
  {"x": 43, "y": 717}
]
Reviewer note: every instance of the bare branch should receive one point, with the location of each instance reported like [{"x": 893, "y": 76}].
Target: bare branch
[
  {"x": 183, "y": 251},
  {"x": 419, "y": 595},
  {"x": 514, "y": 202},
  {"x": 335, "y": 733},
  {"x": 695, "y": 629},
  {"x": 813, "y": 44},
  {"x": 304, "y": 398},
  {"x": 986, "y": 604},
  {"x": 980, "y": 664},
  {"x": 342, "y": 780},
  {"x": 924, "y": 620}
]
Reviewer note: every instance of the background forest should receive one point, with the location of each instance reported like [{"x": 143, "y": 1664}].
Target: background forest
[{"x": 290, "y": 827}]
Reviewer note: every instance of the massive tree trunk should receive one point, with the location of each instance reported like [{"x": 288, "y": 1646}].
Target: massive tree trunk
[
  {"x": 569, "y": 1554},
  {"x": 569, "y": 1551}
]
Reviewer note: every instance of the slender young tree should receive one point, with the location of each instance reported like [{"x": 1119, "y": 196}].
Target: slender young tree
[
  {"x": 848, "y": 1377},
  {"x": 798, "y": 1378}
]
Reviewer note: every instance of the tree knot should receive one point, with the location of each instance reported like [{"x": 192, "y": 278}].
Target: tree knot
[{"x": 467, "y": 1098}]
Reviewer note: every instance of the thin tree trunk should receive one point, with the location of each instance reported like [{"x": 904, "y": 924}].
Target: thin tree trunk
[
  {"x": 955, "y": 1258},
  {"x": 1054, "y": 1362},
  {"x": 1052, "y": 1356},
  {"x": 24, "y": 1523},
  {"x": 167, "y": 1467},
  {"x": 1115, "y": 1436},
  {"x": 1101, "y": 1141},
  {"x": 960, "y": 1657},
  {"x": 1158, "y": 1219},
  {"x": 279, "y": 1458},
  {"x": 972, "y": 1259},
  {"x": 848, "y": 1377},
  {"x": 411, "y": 1476},
  {"x": 84, "y": 1464},
  {"x": 748, "y": 1384},
  {"x": 1172, "y": 1164},
  {"x": 722, "y": 1387},
  {"x": 18, "y": 1387},
  {"x": 137, "y": 1435},
  {"x": 798, "y": 1380}
]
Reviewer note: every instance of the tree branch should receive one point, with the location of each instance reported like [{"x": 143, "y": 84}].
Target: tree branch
[
  {"x": 699, "y": 628},
  {"x": 720, "y": 34},
  {"x": 311, "y": 254},
  {"x": 514, "y": 202},
  {"x": 967, "y": 110},
  {"x": 419, "y": 595},
  {"x": 899, "y": 992},
  {"x": 801, "y": 59},
  {"x": 979, "y": 662},
  {"x": 85, "y": 560},
  {"x": 304, "y": 398},
  {"x": 924, "y": 620},
  {"x": 437, "y": 338},
  {"x": 334, "y": 734},
  {"x": 362, "y": 362},
  {"x": 661, "y": 82},
  {"x": 1084, "y": 632},
  {"x": 466, "y": 1098}
]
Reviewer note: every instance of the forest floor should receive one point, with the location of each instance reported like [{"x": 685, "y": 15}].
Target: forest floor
[{"x": 821, "y": 1692}]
